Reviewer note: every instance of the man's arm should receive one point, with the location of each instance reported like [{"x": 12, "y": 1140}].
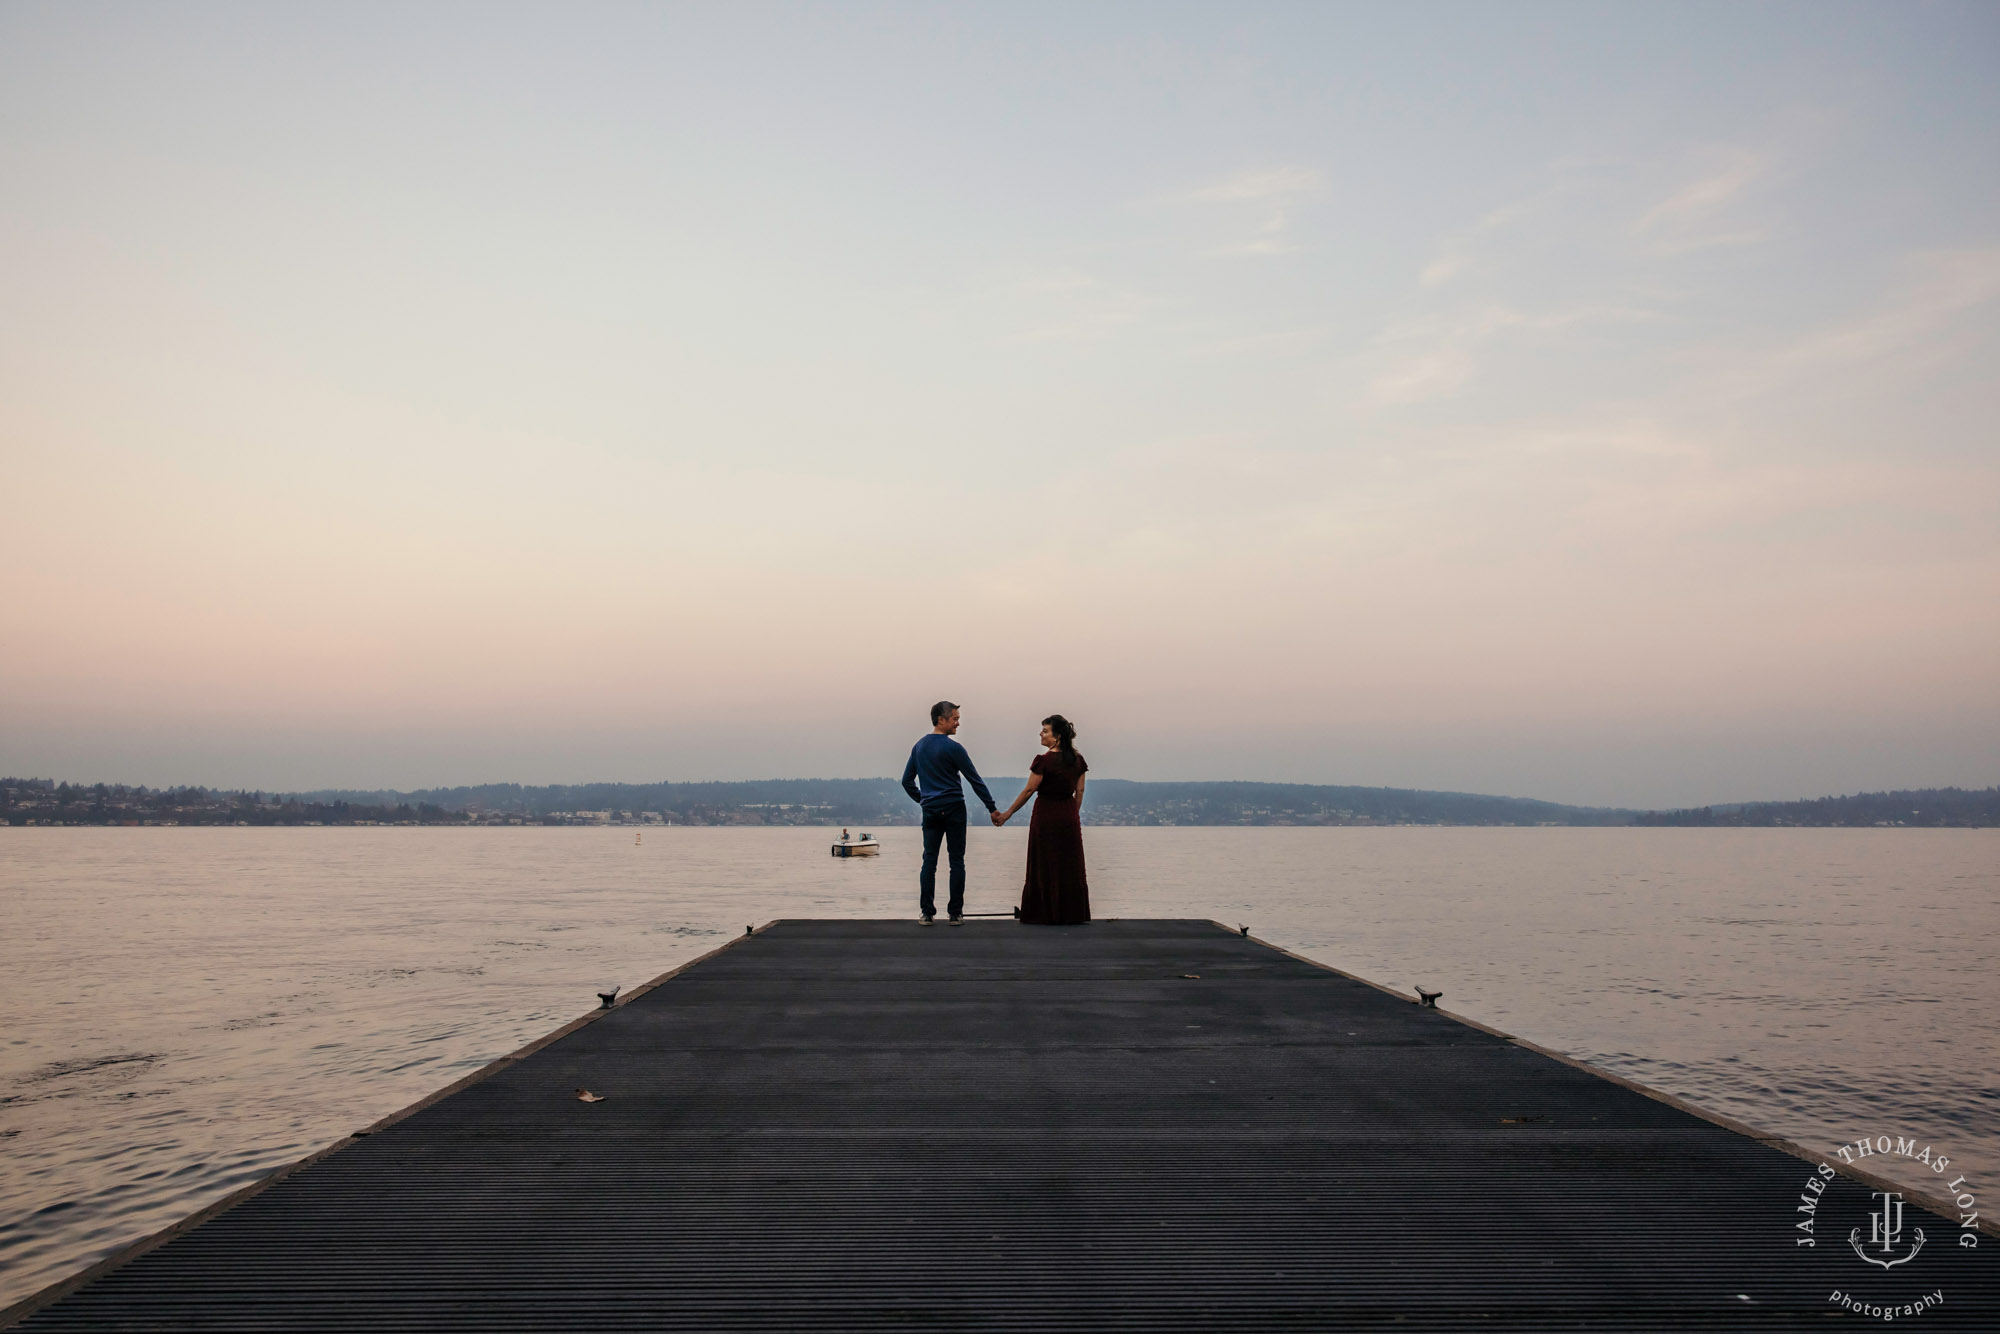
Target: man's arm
[
  {"x": 910, "y": 778},
  {"x": 978, "y": 783}
]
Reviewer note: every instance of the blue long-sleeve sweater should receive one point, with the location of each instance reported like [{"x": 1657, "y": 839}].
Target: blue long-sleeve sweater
[{"x": 938, "y": 761}]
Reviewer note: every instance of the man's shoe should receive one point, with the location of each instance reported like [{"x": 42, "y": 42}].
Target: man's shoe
[
  {"x": 958, "y": 919},
  {"x": 925, "y": 920}
]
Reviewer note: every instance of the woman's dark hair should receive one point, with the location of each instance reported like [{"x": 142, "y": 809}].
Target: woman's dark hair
[{"x": 1065, "y": 731}]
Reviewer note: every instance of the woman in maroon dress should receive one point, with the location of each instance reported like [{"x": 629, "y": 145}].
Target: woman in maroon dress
[{"x": 1056, "y": 892}]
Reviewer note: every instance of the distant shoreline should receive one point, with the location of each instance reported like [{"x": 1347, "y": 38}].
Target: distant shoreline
[{"x": 880, "y": 802}]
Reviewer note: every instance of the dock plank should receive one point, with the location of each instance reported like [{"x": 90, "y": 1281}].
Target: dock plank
[{"x": 868, "y": 1125}]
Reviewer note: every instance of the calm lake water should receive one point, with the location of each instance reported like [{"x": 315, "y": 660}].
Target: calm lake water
[{"x": 186, "y": 1009}]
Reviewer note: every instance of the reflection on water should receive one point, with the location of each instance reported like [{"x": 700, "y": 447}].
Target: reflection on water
[{"x": 188, "y": 1008}]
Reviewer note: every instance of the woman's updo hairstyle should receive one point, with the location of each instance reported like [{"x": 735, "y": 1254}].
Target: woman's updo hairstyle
[{"x": 1065, "y": 731}]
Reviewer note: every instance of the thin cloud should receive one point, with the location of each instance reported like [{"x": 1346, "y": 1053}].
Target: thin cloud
[
  {"x": 1712, "y": 241},
  {"x": 1443, "y": 269},
  {"x": 1945, "y": 286},
  {"x": 1687, "y": 219},
  {"x": 1704, "y": 196},
  {"x": 1261, "y": 183},
  {"x": 1271, "y": 238},
  {"x": 1457, "y": 255},
  {"x": 1433, "y": 358},
  {"x": 1275, "y": 187}
]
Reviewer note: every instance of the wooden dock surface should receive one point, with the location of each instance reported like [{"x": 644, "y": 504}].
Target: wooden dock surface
[{"x": 1145, "y": 1125}]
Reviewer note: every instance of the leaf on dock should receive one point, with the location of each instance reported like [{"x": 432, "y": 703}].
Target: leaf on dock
[{"x": 585, "y": 1095}]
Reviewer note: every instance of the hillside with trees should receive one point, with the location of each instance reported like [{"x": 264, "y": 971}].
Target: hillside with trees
[{"x": 1921, "y": 808}]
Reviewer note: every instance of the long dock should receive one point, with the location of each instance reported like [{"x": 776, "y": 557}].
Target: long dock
[{"x": 1144, "y": 1125}]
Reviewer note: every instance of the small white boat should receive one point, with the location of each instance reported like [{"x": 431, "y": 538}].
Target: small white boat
[{"x": 864, "y": 846}]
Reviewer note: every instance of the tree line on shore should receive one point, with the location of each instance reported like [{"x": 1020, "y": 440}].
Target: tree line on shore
[
  {"x": 25, "y": 801},
  {"x": 881, "y": 801},
  {"x": 1921, "y": 808}
]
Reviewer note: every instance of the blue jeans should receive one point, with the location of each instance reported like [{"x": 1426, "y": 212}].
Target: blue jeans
[{"x": 945, "y": 826}]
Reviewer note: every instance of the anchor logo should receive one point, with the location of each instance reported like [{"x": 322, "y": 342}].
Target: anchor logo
[{"x": 1885, "y": 1229}]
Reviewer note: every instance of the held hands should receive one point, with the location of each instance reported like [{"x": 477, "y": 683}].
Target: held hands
[{"x": 999, "y": 819}]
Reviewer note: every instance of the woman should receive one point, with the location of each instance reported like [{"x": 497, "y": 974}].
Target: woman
[{"x": 1056, "y": 892}]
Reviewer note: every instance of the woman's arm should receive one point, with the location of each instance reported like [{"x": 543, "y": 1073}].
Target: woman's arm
[
  {"x": 1081, "y": 779},
  {"x": 1002, "y": 817}
]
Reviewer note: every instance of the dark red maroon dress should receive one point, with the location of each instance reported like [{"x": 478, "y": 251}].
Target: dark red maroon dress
[{"x": 1056, "y": 892}]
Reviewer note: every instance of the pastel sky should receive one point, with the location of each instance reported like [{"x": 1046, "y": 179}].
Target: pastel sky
[{"x": 1594, "y": 402}]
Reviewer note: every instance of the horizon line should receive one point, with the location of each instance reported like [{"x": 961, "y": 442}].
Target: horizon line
[{"x": 1150, "y": 782}]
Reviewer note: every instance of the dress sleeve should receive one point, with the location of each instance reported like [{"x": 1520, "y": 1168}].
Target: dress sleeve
[{"x": 1041, "y": 764}]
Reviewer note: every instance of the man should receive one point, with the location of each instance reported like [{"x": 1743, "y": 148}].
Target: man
[{"x": 938, "y": 761}]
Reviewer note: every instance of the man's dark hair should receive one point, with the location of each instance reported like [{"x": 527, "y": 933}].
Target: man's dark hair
[{"x": 939, "y": 710}]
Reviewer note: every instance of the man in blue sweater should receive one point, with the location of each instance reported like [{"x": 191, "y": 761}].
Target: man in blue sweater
[{"x": 938, "y": 761}]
